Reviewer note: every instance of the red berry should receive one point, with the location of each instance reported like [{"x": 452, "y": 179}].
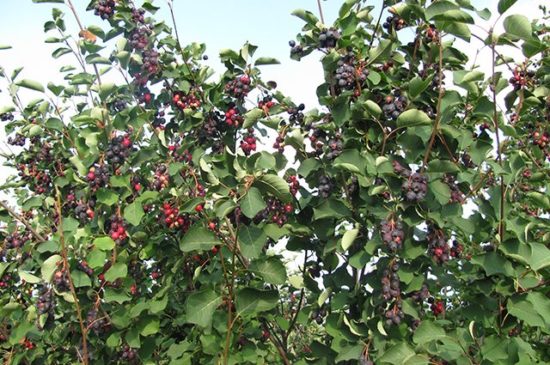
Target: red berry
[
  {"x": 147, "y": 97},
  {"x": 212, "y": 225},
  {"x": 288, "y": 208},
  {"x": 199, "y": 208},
  {"x": 137, "y": 187}
]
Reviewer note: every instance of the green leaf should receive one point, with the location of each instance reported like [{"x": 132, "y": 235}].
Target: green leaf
[
  {"x": 331, "y": 208},
  {"x": 524, "y": 310},
  {"x": 442, "y": 166},
  {"x": 493, "y": 263},
  {"x": 373, "y": 108},
  {"x": 413, "y": 117},
  {"x": 440, "y": 7},
  {"x": 266, "y": 61},
  {"x": 80, "y": 279},
  {"x": 105, "y": 243},
  {"x": 30, "y": 84},
  {"x": 28, "y": 277},
  {"x": 115, "y": 295},
  {"x": 417, "y": 85},
  {"x": 519, "y": 26},
  {"x": 200, "y": 307},
  {"x": 198, "y": 238},
  {"x": 251, "y": 241},
  {"x": 271, "y": 269},
  {"x": 48, "y": 1},
  {"x": 149, "y": 326},
  {"x": 349, "y": 353},
  {"x": 118, "y": 270},
  {"x": 252, "y": 116},
  {"x": 133, "y": 213},
  {"x": 428, "y": 331},
  {"x": 251, "y": 301},
  {"x": 397, "y": 354},
  {"x": 305, "y": 15},
  {"x": 107, "y": 197},
  {"x": 459, "y": 16},
  {"x": 380, "y": 52},
  {"x": 252, "y": 203},
  {"x": 504, "y": 5},
  {"x": 441, "y": 191},
  {"x": 49, "y": 266},
  {"x": 275, "y": 185},
  {"x": 349, "y": 237},
  {"x": 4, "y": 46}
]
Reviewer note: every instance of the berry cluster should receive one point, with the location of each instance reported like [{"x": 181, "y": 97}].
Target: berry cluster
[
  {"x": 319, "y": 314},
  {"x": 45, "y": 302},
  {"x": 394, "y": 22},
  {"x": 275, "y": 209},
  {"x": 172, "y": 218},
  {"x": 326, "y": 185},
  {"x": 394, "y": 105},
  {"x": 392, "y": 234},
  {"x": 541, "y": 139},
  {"x": 161, "y": 178},
  {"x": 105, "y": 9},
  {"x": 84, "y": 267},
  {"x": 61, "y": 280},
  {"x": 347, "y": 75},
  {"x": 456, "y": 195},
  {"x": 328, "y": 38},
  {"x": 279, "y": 144},
  {"x": 118, "y": 105},
  {"x": 317, "y": 138},
  {"x": 293, "y": 184},
  {"x": 38, "y": 180},
  {"x": 456, "y": 249},
  {"x": 391, "y": 291},
  {"x": 437, "y": 245},
  {"x": 5, "y": 281},
  {"x": 233, "y": 117},
  {"x": 296, "y": 114},
  {"x": 136, "y": 183},
  {"x": 185, "y": 101},
  {"x": 335, "y": 146},
  {"x": 98, "y": 176},
  {"x": 296, "y": 49},
  {"x": 18, "y": 140},
  {"x": 150, "y": 64},
  {"x": 117, "y": 229},
  {"x": 415, "y": 186},
  {"x": 129, "y": 354},
  {"x": 138, "y": 15},
  {"x": 432, "y": 34},
  {"x": 119, "y": 149},
  {"x": 139, "y": 38},
  {"x": 248, "y": 144},
  {"x": 421, "y": 295},
  {"x": 6, "y": 117},
  {"x": 238, "y": 88},
  {"x": 84, "y": 212},
  {"x": 212, "y": 128},
  {"x": 520, "y": 78},
  {"x": 17, "y": 239},
  {"x": 266, "y": 103},
  {"x": 180, "y": 155}
]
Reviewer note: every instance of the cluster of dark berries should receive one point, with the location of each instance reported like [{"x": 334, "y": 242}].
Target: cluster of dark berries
[
  {"x": 317, "y": 138},
  {"x": 275, "y": 209},
  {"x": 119, "y": 149},
  {"x": 467, "y": 160},
  {"x": 415, "y": 186},
  {"x": 18, "y": 140},
  {"x": 421, "y": 295},
  {"x": 129, "y": 354},
  {"x": 45, "y": 302},
  {"x": 385, "y": 66},
  {"x": 456, "y": 249},
  {"x": 98, "y": 176},
  {"x": 117, "y": 229},
  {"x": 432, "y": 34},
  {"x": 105, "y": 9},
  {"x": 118, "y": 105},
  {"x": 315, "y": 270},
  {"x": 139, "y": 38},
  {"x": 391, "y": 291},
  {"x": 238, "y": 88},
  {"x": 335, "y": 147},
  {"x": 438, "y": 247},
  {"x": 198, "y": 190},
  {"x": 293, "y": 184},
  {"x": 520, "y": 78},
  {"x": 394, "y": 22},
  {"x": 17, "y": 239},
  {"x": 233, "y": 117},
  {"x": 61, "y": 280},
  {"x": 437, "y": 307},
  {"x": 6, "y": 117},
  {"x": 279, "y": 144},
  {"x": 39, "y": 180},
  {"x": 296, "y": 114},
  {"x": 394, "y": 105},
  {"x": 172, "y": 218},
  {"x": 248, "y": 144},
  {"x": 326, "y": 185},
  {"x": 266, "y": 103},
  {"x": 347, "y": 75},
  {"x": 84, "y": 212},
  {"x": 151, "y": 64},
  {"x": 185, "y": 101},
  {"x": 161, "y": 179},
  {"x": 296, "y": 49},
  {"x": 84, "y": 267},
  {"x": 97, "y": 324},
  {"x": 180, "y": 155},
  {"x": 392, "y": 234},
  {"x": 5, "y": 281},
  {"x": 319, "y": 314},
  {"x": 136, "y": 183},
  {"x": 159, "y": 120},
  {"x": 138, "y": 15},
  {"x": 212, "y": 127},
  {"x": 456, "y": 195},
  {"x": 328, "y": 38},
  {"x": 541, "y": 139}
]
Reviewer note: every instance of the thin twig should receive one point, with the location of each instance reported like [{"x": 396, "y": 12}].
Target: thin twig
[
  {"x": 320, "y": 11},
  {"x": 21, "y": 219}
]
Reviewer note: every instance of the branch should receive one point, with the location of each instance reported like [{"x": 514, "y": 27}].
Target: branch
[
  {"x": 21, "y": 219},
  {"x": 320, "y": 11}
]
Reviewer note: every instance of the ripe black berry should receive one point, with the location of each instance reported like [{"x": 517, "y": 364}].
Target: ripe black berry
[{"x": 105, "y": 9}]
